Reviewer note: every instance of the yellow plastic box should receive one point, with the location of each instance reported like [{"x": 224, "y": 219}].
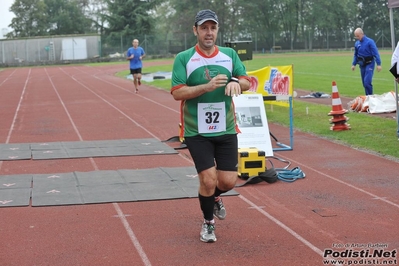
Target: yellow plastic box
[{"x": 251, "y": 162}]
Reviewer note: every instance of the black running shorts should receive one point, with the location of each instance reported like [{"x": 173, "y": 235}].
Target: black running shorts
[
  {"x": 206, "y": 151},
  {"x": 135, "y": 71}
]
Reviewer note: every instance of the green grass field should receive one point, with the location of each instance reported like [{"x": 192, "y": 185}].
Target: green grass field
[{"x": 315, "y": 72}]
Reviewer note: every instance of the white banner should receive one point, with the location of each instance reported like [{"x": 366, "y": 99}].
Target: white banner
[{"x": 252, "y": 122}]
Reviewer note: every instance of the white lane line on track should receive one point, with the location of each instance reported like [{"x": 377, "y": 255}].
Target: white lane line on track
[
  {"x": 7, "y": 78},
  {"x": 129, "y": 91},
  {"x": 121, "y": 215},
  {"x": 16, "y": 111},
  {"x": 286, "y": 228},
  {"x": 122, "y": 88},
  {"x": 345, "y": 183},
  {"x": 140, "y": 95},
  {"x": 116, "y": 108},
  {"x": 110, "y": 104},
  {"x": 18, "y": 107},
  {"x": 63, "y": 105},
  {"x": 132, "y": 236},
  {"x": 69, "y": 116}
]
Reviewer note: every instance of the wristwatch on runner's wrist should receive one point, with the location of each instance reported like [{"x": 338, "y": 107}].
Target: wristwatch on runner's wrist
[{"x": 234, "y": 79}]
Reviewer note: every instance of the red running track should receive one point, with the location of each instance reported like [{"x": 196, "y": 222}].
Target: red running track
[{"x": 348, "y": 200}]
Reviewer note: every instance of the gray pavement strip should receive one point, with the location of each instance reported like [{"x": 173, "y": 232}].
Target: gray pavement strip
[
  {"x": 15, "y": 151},
  {"x": 55, "y": 189},
  {"x": 99, "y": 178},
  {"x": 56, "y": 196},
  {"x": 156, "y": 190},
  {"x": 187, "y": 178},
  {"x": 15, "y": 181},
  {"x": 15, "y": 197},
  {"x": 83, "y": 149},
  {"x": 181, "y": 173},
  {"x": 14, "y": 146},
  {"x": 103, "y": 186},
  {"x": 45, "y": 182},
  {"x": 49, "y": 154},
  {"x": 106, "y": 193},
  {"x": 101, "y": 148},
  {"x": 15, "y": 190},
  {"x": 144, "y": 175}
]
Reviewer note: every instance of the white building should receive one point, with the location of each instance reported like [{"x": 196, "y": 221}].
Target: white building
[{"x": 3, "y": 33}]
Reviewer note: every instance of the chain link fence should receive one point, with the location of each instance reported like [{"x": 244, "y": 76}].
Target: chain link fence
[
  {"x": 100, "y": 48},
  {"x": 261, "y": 42},
  {"x": 49, "y": 50}
]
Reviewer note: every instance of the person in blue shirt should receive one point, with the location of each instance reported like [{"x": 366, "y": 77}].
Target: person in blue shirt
[
  {"x": 366, "y": 55},
  {"x": 135, "y": 54}
]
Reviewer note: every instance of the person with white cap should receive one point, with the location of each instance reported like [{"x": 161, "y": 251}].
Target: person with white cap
[{"x": 205, "y": 78}]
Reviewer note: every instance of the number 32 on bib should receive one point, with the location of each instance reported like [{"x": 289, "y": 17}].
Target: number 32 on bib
[{"x": 211, "y": 117}]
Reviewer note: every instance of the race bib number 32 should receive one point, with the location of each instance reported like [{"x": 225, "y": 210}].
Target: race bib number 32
[{"x": 211, "y": 117}]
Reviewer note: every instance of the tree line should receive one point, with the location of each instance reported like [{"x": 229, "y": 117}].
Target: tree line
[{"x": 283, "y": 21}]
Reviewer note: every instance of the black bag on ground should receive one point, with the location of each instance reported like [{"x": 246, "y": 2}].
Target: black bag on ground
[{"x": 270, "y": 176}]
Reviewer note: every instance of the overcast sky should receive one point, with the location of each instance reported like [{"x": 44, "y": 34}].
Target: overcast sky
[{"x": 5, "y": 15}]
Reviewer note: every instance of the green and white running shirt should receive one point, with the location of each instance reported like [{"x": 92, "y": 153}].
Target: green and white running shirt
[{"x": 212, "y": 113}]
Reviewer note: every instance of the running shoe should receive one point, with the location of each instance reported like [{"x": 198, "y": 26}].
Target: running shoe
[
  {"x": 137, "y": 91},
  {"x": 208, "y": 233},
  {"x": 219, "y": 210}
]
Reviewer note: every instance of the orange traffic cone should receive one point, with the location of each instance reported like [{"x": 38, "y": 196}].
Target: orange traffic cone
[
  {"x": 339, "y": 127},
  {"x": 339, "y": 119},
  {"x": 336, "y": 102}
]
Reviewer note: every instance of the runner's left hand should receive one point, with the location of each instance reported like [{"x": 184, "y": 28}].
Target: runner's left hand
[{"x": 233, "y": 89}]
